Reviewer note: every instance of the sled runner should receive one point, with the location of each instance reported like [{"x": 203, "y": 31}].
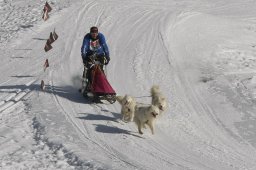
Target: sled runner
[{"x": 99, "y": 88}]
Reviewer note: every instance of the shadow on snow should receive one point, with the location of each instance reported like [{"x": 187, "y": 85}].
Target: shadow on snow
[
  {"x": 98, "y": 117},
  {"x": 67, "y": 92}
]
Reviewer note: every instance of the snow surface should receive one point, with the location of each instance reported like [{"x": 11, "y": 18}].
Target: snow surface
[{"x": 201, "y": 53}]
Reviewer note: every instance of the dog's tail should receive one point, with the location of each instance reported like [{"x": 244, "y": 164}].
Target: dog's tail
[
  {"x": 154, "y": 89},
  {"x": 119, "y": 99}
]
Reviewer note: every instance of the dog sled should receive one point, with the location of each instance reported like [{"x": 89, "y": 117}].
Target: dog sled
[{"x": 99, "y": 88}]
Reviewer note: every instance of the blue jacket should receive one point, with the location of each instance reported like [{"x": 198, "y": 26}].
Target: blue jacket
[{"x": 99, "y": 46}]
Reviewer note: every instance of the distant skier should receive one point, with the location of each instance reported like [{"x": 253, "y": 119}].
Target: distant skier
[{"x": 94, "y": 43}]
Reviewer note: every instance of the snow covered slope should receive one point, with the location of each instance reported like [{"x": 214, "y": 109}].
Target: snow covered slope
[{"x": 201, "y": 53}]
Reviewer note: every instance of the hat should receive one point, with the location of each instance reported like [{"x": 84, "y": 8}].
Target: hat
[{"x": 93, "y": 29}]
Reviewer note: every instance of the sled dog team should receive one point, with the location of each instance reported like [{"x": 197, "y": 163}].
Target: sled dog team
[{"x": 143, "y": 114}]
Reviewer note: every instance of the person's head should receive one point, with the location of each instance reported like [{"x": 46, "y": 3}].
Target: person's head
[{"x": 94, "y": 32}]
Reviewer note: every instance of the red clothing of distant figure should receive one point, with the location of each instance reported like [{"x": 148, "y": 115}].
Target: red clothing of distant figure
[{"x": 100, "y": 84}]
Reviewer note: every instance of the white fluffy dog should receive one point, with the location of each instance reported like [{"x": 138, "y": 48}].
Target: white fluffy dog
[
  {"x": 128, "y": 104},
  {"x": 145, "y": 115},
  {"x": 158, "y": 99}
]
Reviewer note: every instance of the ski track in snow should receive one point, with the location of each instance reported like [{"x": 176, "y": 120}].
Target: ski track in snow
[
  {"x": 150, "y": 43},
  {"x": 199, "y": 104}
]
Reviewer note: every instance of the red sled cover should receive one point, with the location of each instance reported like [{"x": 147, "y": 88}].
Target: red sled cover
[{"x": 100, "y": 84}]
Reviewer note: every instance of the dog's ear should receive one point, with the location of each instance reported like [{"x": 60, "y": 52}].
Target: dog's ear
[
  {"x": 119, "y": 99},
  {"x": 150, "y": 108},
  {"x": 163, "y": 98}
]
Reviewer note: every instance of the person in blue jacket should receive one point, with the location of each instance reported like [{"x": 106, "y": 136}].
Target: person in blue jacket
[{"x": 94, "y": 43}]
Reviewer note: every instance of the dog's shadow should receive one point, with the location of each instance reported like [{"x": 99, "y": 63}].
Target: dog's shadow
[
  {"x": 109, "y": 129},
  {"x": 97, "y": 117},
  {"x": 104, "y": 128}
]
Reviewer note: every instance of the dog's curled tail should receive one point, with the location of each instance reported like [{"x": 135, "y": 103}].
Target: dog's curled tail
[{"x": 154, "y": 89}]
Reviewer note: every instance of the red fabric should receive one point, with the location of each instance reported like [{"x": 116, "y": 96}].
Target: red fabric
[{"x": 100, "y": 83}]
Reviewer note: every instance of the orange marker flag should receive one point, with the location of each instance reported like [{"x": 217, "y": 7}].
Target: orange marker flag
[
  {"x": 55, "y": 36},
  {"x": 45, "y": 15},
  {"x": 47, "y": 46},
  {"x": 47, "y": 7},
  {"x": 46, "y": 64},
  {"x": 42, "y": 85},
  {"x": 50, "y": 39}
]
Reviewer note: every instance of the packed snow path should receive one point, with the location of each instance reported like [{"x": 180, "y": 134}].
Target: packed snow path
[{"x": 201, "y": 53}]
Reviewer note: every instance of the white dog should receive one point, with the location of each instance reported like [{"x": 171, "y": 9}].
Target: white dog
[
  {"x": 128, "y": 104},
  {"x": 158, "y": 99},
  {"x": 145, "y": 115}
]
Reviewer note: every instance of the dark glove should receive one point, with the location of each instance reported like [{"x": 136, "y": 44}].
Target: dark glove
[
  {"x": 107, "y": 60},
  {"x": 84, "y": 62},
  {"x": 84, "y": 59}
]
